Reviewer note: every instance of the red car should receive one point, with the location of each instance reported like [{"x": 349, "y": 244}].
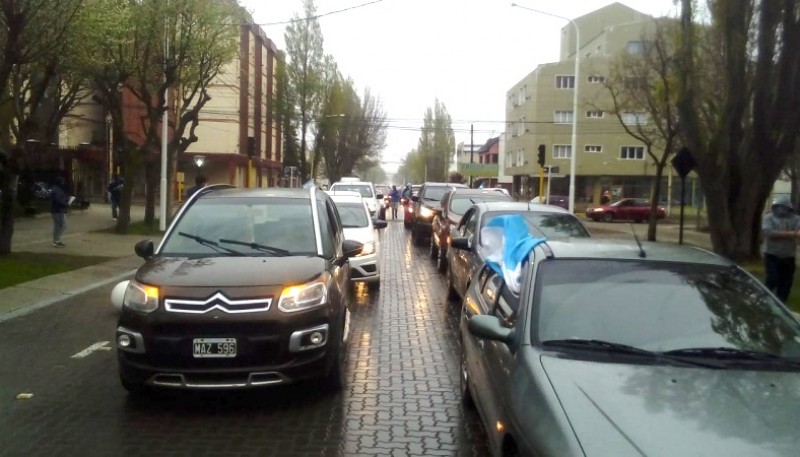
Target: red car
[{"x": 635, "y": 209}]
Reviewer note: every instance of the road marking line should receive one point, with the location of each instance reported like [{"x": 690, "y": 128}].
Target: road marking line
[{"x": 99, "y": 346}]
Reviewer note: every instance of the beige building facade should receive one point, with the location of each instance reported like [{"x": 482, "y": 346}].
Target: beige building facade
[{"x": 540, "y": 111}]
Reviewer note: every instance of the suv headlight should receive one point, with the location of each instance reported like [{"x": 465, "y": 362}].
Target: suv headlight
[
  {"x": 425, "y": 212},
  {"x": 368, "y": 248},
  {"x": 141, "y": 297},
  {"x": 305, "y": 296}
]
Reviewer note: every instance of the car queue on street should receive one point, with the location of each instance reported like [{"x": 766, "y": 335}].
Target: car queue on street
[{"x": 601, "y": 347}]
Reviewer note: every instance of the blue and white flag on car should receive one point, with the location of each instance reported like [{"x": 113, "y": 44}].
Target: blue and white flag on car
[{"x": 505, "y": 244}]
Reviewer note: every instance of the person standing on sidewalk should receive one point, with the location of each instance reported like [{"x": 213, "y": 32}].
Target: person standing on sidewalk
[
  {"x": 394, "y": 198},
  {"x": 781, "y": 229},
  {"x": 199, "y": 182},
  {"x": 114, "y": 194},
  {"x": 59, "y": 202}
]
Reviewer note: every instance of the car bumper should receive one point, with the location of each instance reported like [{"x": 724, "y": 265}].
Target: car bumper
[
  {"x": 164, "y": 358},
  {"x": 365, "y": 268}
]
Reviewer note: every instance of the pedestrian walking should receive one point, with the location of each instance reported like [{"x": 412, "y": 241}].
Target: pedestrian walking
[
  {"x": 394, "y": 197},
  {"x": 59, "y": 202},
  {"x": 781, "y": 229},
  {"x": 199, "y": 183},
  {"x": 605, "y": 198},
  {"x": 115, "y": 194}
]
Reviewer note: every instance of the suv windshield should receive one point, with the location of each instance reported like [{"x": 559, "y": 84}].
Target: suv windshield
[
  {"x": 660, "y": 306},
  {"x": 284, "y": 223},
  {"x": 353, "y": 215},
  {"x": 547, "y": 225},
  {"x": 364, "y": 189}
]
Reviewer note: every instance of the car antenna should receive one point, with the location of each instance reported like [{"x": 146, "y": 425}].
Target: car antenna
[{"x": 642, "y": 254}]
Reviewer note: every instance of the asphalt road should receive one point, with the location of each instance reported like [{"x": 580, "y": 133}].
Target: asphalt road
[{"x": 402, "y": 397}]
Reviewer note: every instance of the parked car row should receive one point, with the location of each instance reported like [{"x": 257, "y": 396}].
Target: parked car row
[{"x": 247, "y": 288}]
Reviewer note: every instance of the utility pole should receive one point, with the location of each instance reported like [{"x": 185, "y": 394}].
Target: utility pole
[{"x": 471, "y": 154}]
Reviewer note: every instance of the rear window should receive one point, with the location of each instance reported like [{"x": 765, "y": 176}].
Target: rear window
[
  {"x": 460, "y": 204},
  {"x": 353, "y": 215},
  {"x": 285, "y": 223},
  {"x": 364, "y": 189},
  {"x": 547, "y": 225},
  {"x": 435, "y": 193}
]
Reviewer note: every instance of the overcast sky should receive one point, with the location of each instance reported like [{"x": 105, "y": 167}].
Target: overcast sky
[{"x": 466, "y": 53}]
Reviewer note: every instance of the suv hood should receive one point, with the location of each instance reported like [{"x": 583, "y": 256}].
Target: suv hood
[
  {"x": 230, "y": 271},
  {"x": 640, "y": 410}
]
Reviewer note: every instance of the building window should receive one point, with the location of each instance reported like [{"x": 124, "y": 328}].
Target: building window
[
  {"x": 637, "y": 47},
  {"x": 596, "y": 79},
  {"x": 565, "y": 82},
  {"x": 562, "y": 151},
  {"x": 593, "y": 148},
  {"x": 521, "y": 126},
  {"x": 634, "y": 118},
  {"x": 632, "y": 153},
  {"x": 562, "y": 117},
  {"x": 521, "y": 95},
  {"x": 595, "y": 114}
]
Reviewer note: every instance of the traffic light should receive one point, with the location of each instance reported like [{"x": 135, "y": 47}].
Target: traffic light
[{"x": 541, "y": 155}]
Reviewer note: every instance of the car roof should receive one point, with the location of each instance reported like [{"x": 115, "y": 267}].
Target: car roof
[
  {"x": 519, "y": 206},
  {"x": 468, "y": 191},
  {"x": 348, "y": 183},
  {"x": 260, "y": 192},
  {"x": 593, "y": 248},
  {"x": 446, "y": 184},
  {"x": 346, "y": 197}
]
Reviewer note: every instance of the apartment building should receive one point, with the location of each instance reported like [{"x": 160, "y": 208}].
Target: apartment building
[{"x": 540, "y": 111}]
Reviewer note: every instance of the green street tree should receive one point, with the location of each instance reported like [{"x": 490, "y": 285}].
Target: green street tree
[
  {"x": 351, "y": 131},
  {"x": 436, "y": 143},
  {"x": 183, "y": 46},
  {"x": 643, "y": 96},
  {"x": 412, "y": 167},
  {"x": 46, "y": 47},
  {"x": 739, "y": 106},
  {"x": 305, "y": 79}
]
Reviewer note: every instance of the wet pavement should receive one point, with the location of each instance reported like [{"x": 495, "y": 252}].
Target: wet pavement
[{"x": 402, "y": 397}]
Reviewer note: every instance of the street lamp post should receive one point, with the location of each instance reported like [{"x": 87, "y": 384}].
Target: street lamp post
[{"x": 574, "y": 146}]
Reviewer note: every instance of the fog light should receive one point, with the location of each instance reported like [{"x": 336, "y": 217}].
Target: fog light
[
  {"x": 124, "y": 341},
  {"x": 315, "y": 338}
]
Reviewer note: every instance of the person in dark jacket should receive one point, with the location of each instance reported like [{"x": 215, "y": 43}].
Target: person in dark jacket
[
  {"x": 199, "y": 183},
  {"x": 394, "y": 198},
  {"x": 115, "y": 194},
  {"x": 59, "y": 202},
  {"x": 781, "y": 229}
]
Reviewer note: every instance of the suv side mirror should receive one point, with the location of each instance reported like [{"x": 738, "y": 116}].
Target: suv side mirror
[
  {"x": 144, "y": 249},
  {"x": 351, "y": 248},
  {"x": 461, "y": 243},
  {"x": 415, "y": 198},
  {"x": 379, "y": 224},
  {"x": 490, "y": 328},
  {"x": 379, "y": 196}
]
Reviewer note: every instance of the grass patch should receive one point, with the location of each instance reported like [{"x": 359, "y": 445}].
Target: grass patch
[
  {"x": 757, "y": 270},
  {"x": 19, "y": 267},
  {"x": 137, "y": 228}
]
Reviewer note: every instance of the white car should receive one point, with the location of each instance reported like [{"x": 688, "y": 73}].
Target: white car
[
  {"x": 358, "y": 225},
  {"x": 365, "y": 189}
]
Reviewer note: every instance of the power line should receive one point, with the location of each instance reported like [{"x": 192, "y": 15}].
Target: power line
[{"x": 291, "y": 21}]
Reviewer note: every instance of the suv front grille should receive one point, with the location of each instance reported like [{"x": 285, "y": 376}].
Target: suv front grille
[{"x": 217, "y": 301}]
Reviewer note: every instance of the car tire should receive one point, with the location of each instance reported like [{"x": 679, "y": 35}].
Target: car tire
[
  {"x": 434, "y": 250},
  {"x": 441, "y": 261},
  {"x": 334, "y": 379},
  {"x": 373, "y": 286},
  {"x": 466, "y": 394},
  {"x": 608, "y": 217},
  {"x": 416, "y": 237},
  {"x": 451, "y": 290}
]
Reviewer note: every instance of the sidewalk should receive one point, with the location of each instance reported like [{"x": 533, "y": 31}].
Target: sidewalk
[{"x": 81, "y": 238}]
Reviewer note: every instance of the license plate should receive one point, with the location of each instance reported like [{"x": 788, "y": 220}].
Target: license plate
[{"x": 214, "y": 347}]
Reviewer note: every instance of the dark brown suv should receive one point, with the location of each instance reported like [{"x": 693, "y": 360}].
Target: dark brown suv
[{"x": 249, "y": 287}]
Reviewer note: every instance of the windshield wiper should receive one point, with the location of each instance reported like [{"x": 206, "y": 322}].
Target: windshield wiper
[
  {"x": 258, "y": 247},
  {"x": 728, "y": 353},
  {"x": 212, "y": 244},
  {"x": 620, "y": 348}
]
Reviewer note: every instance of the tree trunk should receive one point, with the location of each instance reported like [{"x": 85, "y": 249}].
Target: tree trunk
[
  {"x": 655, "y": 196},
  {"x": 9, "y": 181}
]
